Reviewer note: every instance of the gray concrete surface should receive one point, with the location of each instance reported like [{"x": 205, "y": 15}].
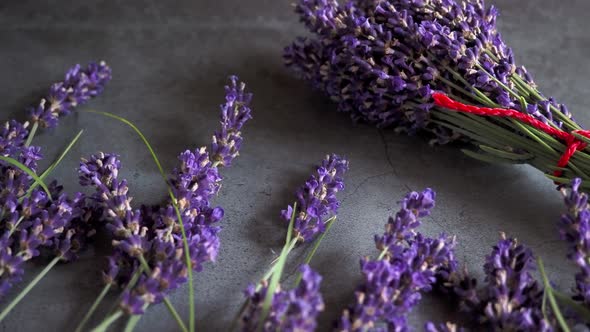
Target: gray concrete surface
[{"x": 170, "y": 60}]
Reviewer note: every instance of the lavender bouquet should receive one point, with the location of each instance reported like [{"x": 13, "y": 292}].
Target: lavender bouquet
[{"x": 383, "y": 60}]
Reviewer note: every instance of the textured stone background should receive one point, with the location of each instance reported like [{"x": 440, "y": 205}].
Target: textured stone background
[{"x": 170, "y": 60}]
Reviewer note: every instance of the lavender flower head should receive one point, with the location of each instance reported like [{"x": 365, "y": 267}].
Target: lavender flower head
[
  {"x": 291, "y": 310},
  {"x": 316, "y": 200},
  {"x": 513, "y": 295},
  {"x": 511, "y": 298},
  {"x": 79, "y": 86},
  {"x": 234, "y": 114},
  {"x": 574, "y": 228},
  {"x": 392, "y": 284}
]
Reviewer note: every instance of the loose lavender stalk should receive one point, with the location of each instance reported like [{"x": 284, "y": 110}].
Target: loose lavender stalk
[
  {"x": 408, "y": 265},
  {"x": 511, "y": 299},
  {"x": 149, "y": 243},
  {"x": 291, "y": 310},
  {"x": 381, "y": 61},
  {"x": 78, "y": 87},
  {"x": 574, "y": 228},
  {"x": 314, "y": 210}
]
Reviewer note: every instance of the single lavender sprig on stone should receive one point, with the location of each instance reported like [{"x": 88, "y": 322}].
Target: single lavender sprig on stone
[
  {"x": 79, "y": 86},
  {"x": 316, "y": 200},
  {"x": 234, "y": 114},
  {"x": 408, "y": 266},
  {"x": 511, "y": 299},
  {"x": 291, "y": 310},
  {"x": 513, "y": 295},
  {"x": 574, "y": 228}
]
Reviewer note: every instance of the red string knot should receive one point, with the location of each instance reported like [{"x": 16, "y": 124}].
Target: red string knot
[{"x": 572, "y": 142}]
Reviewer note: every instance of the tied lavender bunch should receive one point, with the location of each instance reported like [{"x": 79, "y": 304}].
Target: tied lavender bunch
[
  {"x": 34, "y": 220},
  {"x": 291, "y": 310},
  {"x": 148, "y": 242},
  {"x": 408, "y": 265},
  {"x": 381, "y": 60}
]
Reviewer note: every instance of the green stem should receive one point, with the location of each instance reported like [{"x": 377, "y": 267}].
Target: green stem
[
  {"x": 315, "y": 247},
  {"x": 551, "y": 298},
  {"x": 130, "y": 284},
  {"x": 27, "y": 289},
  {"x": 133, "y": 320},
  {"x": 108, "y": 321},
  {"x": 92, "y": 309},
  {"x": 32, "y": 133}
]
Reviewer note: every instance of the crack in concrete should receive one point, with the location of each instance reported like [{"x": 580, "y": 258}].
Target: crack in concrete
[{"x": 389, "y": 161}]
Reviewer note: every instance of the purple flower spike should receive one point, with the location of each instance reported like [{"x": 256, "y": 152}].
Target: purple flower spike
[
  {"x": 393, "y": 285},
  {"x": 234, "y": 114},
  {"x": 574, "y": 228},
  {"x": 291, "y": 310},
  {"x": 12, "y": 137},
  {"x": 513, "y": 295},
  {"x": 79, "y": 86},
  {"x": 402, "y": 226},
  {"x": 447, "y": 327},
  {"x": 316, "y": 200}
]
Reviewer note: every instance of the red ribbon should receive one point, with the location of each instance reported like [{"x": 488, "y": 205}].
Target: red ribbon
[{"x": 572, "y": 143}]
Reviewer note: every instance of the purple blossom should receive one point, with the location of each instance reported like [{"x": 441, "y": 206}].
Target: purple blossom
[
  {"x": 513, "y": 295},
  {"x": 446, "y": 327},
  {"x": 234, "y": 114},
  {"x": 79, "y": 86},
  {"x": 380, "y": 60},
  {"x": 510, "y": 299},
  {"x": 291, "y": 310},
  {"x": 316, "y": 200},
  {"x": 393, "y": 283},
  {"x": 574, "y": 228},
  {"x": 32, "y": 224}
]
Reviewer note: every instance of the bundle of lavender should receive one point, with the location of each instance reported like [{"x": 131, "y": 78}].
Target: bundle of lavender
[{"x": 384, "y": 61}]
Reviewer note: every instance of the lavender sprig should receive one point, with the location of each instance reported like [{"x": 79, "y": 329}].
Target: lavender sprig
[
  {"x": 79, "y": 86},
  {"x": 291, "y": 310},
  {"x": 307, "y": 217},
  {"x": 234, "y": 114},
  {"x": 317, "y": 198},
  {"x": 574, "y": 228},
  {"x": 408, "y": 265},
  {"x": 511, "y": 298}
]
